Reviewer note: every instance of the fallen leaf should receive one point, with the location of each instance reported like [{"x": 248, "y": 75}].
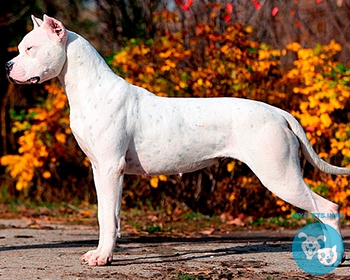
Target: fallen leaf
[
  {"x": 152, "y": 218},
  {"x": 207, "y": 231},
  {"x": 237, "y": 222},
  {"x": 87, "y": 213}
]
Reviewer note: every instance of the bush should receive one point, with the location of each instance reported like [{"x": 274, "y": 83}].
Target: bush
[{"x": 49, "y": 163}]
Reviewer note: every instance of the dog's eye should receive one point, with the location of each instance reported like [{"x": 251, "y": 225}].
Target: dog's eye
[{"x": 28, "y": 49}]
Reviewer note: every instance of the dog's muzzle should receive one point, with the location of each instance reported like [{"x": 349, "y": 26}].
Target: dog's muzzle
[{"x": 8, "y": 68}]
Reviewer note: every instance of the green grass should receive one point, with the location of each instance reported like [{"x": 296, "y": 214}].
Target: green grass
[
  {"x": 153, "y": 229},
  {"x": 185, "y": 277},
  {"x": 196, "y": 216}
]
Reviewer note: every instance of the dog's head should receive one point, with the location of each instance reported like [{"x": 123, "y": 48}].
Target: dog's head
[{"x": 42, "y": 53}]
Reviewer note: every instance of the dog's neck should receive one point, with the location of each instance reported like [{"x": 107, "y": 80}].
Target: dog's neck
[{"x": 83, "y": 63}]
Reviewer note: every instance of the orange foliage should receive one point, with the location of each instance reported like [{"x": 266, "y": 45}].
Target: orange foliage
[
  {"x": 44, "y": 131},
  {"x": 209, "y": 64}
]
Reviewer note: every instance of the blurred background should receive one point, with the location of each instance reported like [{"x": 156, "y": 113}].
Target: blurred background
[{"x": 291, "y": 54}]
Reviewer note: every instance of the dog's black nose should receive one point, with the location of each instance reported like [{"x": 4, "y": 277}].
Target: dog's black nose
[{"x": 8, "y": 66}]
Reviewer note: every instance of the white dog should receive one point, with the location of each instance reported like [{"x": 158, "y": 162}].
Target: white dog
[{"x": 125, "y": 129}]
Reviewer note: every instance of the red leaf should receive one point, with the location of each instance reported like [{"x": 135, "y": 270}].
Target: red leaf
[
  {"x": 310, "y": 129},
  {"x": 185, "y": 7},
  {"x": 189, "y": 3},
  {"x": 229, "y": 8},
  {"x": 227, "y": 17},
  {"x": 274, "y": 11},
  {"x": 318, "y": 1},
  {"x": 257, "y": 4}
]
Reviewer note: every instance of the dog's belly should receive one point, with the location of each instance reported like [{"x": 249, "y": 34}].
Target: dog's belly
[
  {"x": 178, "y": 154},
  {"x": 181, "y": 154},
  {"x": 165, "y": 167},
  {"x": 179, "y": 135}
]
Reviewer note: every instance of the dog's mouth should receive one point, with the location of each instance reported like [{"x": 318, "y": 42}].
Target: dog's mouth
[{"x": 32, "y": 80}]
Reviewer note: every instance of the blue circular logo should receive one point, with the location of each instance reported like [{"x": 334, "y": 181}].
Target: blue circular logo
[{"x": 318, "y": 248}]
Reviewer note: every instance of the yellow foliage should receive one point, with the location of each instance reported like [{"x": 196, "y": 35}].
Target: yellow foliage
[
  {"x": 46, "y": 175},
  {"x": 61, "y": 137},
  {"x": 163, "y": 178},
  {"x": 232, "y": 197},
  {"x": 295, "y": 46},
  {"x": 226, "y": 68},
  {"x": 249, "y": 29},
  {"x": 35, "y": 143},
  {"x": 231, "y": 166},
  {"x": 323, "y": 88},
  {"x": 154, "y": 182}
]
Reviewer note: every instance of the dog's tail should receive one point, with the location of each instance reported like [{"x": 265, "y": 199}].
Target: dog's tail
[{"x": 308, "y": 151}]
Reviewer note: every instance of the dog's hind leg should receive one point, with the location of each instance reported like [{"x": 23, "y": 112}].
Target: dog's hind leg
[{"x": 273, "y": 157}]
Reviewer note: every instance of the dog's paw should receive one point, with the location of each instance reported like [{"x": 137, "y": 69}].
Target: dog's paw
[{"x": 95, "y": 257}]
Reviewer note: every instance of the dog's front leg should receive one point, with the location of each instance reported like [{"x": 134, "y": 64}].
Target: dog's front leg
[{"x": 109, "y": 185}]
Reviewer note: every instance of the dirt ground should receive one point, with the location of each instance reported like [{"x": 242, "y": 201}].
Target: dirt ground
[{"x": 52, "y": 251}]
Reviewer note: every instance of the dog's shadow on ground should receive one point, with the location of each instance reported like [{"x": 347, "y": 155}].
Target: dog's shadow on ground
[
  {"x": 256, "y": 244},
  {"x": 170, "y": 252},
  {"x": 158, "y": 249}
]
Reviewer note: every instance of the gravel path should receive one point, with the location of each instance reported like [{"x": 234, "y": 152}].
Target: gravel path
[{"x": 52, "y": 251}]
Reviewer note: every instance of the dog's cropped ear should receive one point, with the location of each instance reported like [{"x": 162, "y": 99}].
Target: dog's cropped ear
[
  {"x": 37, "y": 22},
  {"x": 55, "y": 29}
]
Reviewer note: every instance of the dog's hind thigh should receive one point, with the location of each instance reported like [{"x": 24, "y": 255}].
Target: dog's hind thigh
[{"x": 274, "y": 159}]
